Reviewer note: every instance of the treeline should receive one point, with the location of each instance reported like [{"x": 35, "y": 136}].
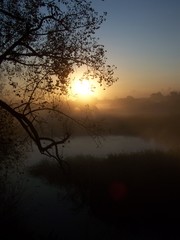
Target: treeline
[
  {"x": 156, "y": 104},
  {"x": 156, "y": 117}
]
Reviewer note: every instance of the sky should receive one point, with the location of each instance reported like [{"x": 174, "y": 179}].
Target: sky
[{"x": 142, "y": 38}]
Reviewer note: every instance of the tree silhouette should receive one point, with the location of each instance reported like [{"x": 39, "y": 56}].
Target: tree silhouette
[{"x": 41, "y": 43}]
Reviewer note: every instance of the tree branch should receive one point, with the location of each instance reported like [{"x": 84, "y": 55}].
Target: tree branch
[
  {"x": 41, "y": 22},
  {"x": 33, "y": 133},
  {"x": 11, "y": 15},
  {"x": 32, "y": 50},
  {"x": 23, "y": 63},
  {"x": 15, "y": 44}
]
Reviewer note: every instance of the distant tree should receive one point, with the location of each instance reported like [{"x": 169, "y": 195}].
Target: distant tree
[
  {"x": 158, "y": 96},
  {"x": 174, "y": 95},
  {"x": 41, "y": 43}
]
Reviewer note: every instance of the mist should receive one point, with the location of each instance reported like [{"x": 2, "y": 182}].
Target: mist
[{"x": 155, "y": 117}]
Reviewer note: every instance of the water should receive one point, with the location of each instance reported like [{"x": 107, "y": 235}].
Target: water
[
  {"x": 108, "y": 145},
  {"x": 100, "y": 147}
]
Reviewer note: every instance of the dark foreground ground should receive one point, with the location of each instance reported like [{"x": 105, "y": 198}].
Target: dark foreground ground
[
  {"x": 135, "y": 195},
  {"x": 137, "y": 192}
]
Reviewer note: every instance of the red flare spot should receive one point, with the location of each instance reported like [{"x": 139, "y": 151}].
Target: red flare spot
[{"x": 118, "y": 191}]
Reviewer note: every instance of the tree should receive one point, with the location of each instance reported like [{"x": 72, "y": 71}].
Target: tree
[{"x": 41, "y": 43}]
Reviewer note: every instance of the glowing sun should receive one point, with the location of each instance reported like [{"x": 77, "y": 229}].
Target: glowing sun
[{"x": 82, "y": 88}]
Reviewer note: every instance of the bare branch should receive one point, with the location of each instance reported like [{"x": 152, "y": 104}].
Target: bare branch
[
  {"x": 59, "y": 112},
  {"x": 32, "y": 132}
]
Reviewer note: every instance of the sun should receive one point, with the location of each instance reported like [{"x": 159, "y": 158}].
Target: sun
[{"x": 82, "y": 88}]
